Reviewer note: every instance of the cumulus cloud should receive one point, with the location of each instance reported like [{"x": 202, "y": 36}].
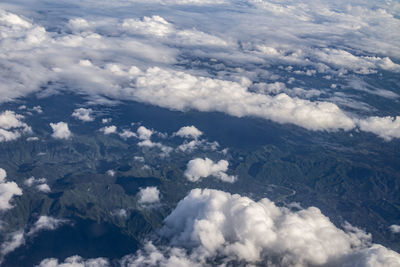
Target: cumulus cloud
[
  {"x": 46, "y": 223},
  {"x": 11, "y": 126},
  {"x": 395, "y": 228},
  {"x": 60, "y": 130},
  {"x": 7, "y": 191},
  {"x": 144, "y": 133},
  {"x": 45, "y": 188},
  {"x": 199, "y": 168},
  {"x": 211, "y": 227},
  {"x": 112, "y": 129},
  {"x": 83, "y": 114},
  {"x": 149, "y": 195},
  {"x": 74, "y": 261},
  {"x": 12, "y": 242},
  {"x": 40, "y": 184},
  {"x": 127, "y": 134},
  {"x": 385, "y": 127},
  {"x": 32, "y": 181},
  {"x": 189, "y": 132}
]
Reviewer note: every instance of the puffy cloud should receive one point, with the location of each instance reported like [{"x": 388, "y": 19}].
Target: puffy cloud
[
  {"x": 12, "y": 242},
  {"x": 149, "y": 195},
  {"x": 60, "y": 130},
  {"x": 11, "y": 126},
  {"x": 144, "y": 133},
  {"x": 32, "y": 181},
  {"x": 110, "y": 172},
  {"x": 83, "y": 114},
  {"x": 46, "y": 223},
  {"x": 74, "y": 261},
  {"x": 7, "y": 191},
  {"x": 122, "y": 213},
  {"x": 385, "y": 127},
  {"x": 40, "y": 184},
  {"x": 127, "y": 134},
  {"x": 45, "y": 188},
  {"x": 211, "y": 227},
  {"x": 109, "y": 129},
  {"x": 395, "y": 228},
  {"x": 199, "y": 168},
  {"x": 189, "y": 132}
]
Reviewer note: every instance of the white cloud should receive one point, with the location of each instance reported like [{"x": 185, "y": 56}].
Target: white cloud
[
  {"x": 144, "y": 133},
  {"x": 96, "y": 58},
  {"x": 127, "y": 134},
  {"x": 109, "y": 129},
  {"x": 45, "y": 188},
  {"x": 395, "y": 228},
  {"x": 189, "y": 132},
  {"x": 83, "y": 114},
  {"x": 211, "y": 226},
  {"x": 12, "y": 242},
  {"x": 74, "y": 261},
  {"x": 149, "y": 195},
  {"x": 199, "y": 168},
  {"x": 46, "y": 223},
  {"x": 181, "y": 91},
  {"x": 11, "y": 126},
  {"x": 60, "y": 130},
  {"x": 385, "y": 127},
  {"x": 7, "y": 191},
  {"x": 32, "y": 180},
  {"x": 106, "y": 120},
  {"x": 122, "y": 213},
  {"x": 110, "y": 172}
]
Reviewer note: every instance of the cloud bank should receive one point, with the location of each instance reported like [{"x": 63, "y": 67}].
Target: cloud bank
[{"x": 133, "y": 59}]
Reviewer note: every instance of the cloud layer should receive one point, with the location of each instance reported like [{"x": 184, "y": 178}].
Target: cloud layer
[{"x": 134, "y": 59}]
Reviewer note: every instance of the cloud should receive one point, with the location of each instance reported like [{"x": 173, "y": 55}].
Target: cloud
[
  {"x": 385, "y": 127},
  {"x": 45, "y": 188},
  {"x": 112, "y": 129},
  {"x": 143, "y": 133},
  {"x": 189, "y": 132},
  {"x": 16, "y": 239},
  {"x": 395, "y": 228},
  {"x": 181, "y": 91},
  {"x": 12, "y": 242},
  {"x": 46, "y": 223},
  {"x": 7, "y": 191},
  {"x": 149, "y": 195},
  {"x": 127, "y": 134},
  {"x": 32, "y": 181},
  {"x": 211, "y": 227},
  {"x": 199, "y": 168},
  {"x": 11, "y": 126},
  {"x": 83, "y": 114},
  {"x": 98, "y": 58},
  {"x": 60, "y": 130},
  {"x": 74, "y": 261}
]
